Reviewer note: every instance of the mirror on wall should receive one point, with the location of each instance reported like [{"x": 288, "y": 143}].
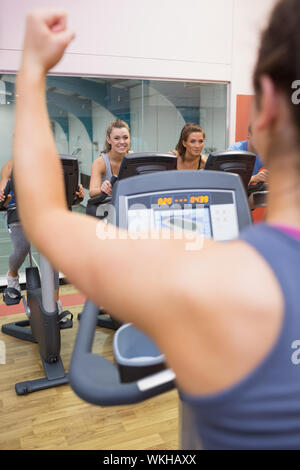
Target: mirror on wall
[{"x": 81, "y": 109}]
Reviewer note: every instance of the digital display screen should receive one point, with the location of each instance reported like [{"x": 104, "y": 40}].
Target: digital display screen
[
  {"x": 176, "y": 220},
  {"x": 209, "y": 215},
  {"x": 195, "y": 220}
]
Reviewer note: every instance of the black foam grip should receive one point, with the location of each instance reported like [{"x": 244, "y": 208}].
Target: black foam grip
[{"x": 102, "y": 196}]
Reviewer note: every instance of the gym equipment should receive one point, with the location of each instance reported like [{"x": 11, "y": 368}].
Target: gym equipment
[
  {"x": 260, "y": 199},
  {"x": 259, "y": 192},
  {"x": 101, "y": 206},
  {"x": 94, "y": 202},
  {"x": 44, "y": 323},
  {"x": 213, "y": 204},
  {"x": 133, "y": 164},
  {"x": 233, "y": 161},
  {"x": 11, "y": 296}
]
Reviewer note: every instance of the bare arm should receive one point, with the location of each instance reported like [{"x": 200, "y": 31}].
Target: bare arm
[
  {"x": 166, "y": 291},
  {"x": 75, "y": 233},
  {"x": 6, "y": 172}
]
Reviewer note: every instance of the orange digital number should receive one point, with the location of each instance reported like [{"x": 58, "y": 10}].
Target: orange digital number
[
  {"x": 164, "y": 200},
  {"x": 199, "y": 199}
]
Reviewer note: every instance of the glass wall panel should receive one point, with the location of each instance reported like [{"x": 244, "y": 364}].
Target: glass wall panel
[{"x": 81, "y": 108}]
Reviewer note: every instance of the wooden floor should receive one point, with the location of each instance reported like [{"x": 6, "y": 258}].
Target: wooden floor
[{"x": 56, "y": 419}]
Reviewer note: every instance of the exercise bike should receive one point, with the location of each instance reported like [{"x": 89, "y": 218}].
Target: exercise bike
[
  {"x": 44, "y": 323},
  {"x": 164, "y": 200},
  {"x": 102, "y": 206}
]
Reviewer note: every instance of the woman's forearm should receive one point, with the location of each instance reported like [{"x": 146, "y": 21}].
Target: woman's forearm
[
  {"x": 94, "y": 192},
  {"x": 6, "y": 170}
]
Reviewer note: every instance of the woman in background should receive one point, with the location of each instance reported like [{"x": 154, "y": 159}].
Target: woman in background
[
  {"x": 117, "y": 145},
  {"x": 189, "y": 148}
]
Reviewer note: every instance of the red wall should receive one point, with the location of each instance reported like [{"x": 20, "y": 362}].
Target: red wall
[{"x": 243, "y": 112}]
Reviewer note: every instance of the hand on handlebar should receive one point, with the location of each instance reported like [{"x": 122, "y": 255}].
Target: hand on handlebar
[
  {"x": 261, "y": 176},
  {"x": 4, "y": 197},
  {"x": 106, "y": 187},
  {"x": 80, "y": 192},
  {"x": 5, "y": 200}
]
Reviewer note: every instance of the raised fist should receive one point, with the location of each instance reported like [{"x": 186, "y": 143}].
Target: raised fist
[{"x": 46, "y": 38}]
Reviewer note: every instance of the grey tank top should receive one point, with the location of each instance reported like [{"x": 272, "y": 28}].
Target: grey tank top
[
  {"x": 262, "y": 410},
  {"x": 108, "y": 172}
]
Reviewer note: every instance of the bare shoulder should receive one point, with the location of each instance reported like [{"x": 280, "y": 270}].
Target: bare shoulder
[
  {"x": 234, "y": 308},
  {"x": 203, "y": 160},
  {"x": 98, "y": 164},
  {"x": 235, "y": 270}
]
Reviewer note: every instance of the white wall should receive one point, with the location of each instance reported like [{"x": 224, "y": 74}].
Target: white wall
[
  {"x": 249, "y": 19},
  {"x": 133, "y": 37},
  {"x": 193, "y": 40}
]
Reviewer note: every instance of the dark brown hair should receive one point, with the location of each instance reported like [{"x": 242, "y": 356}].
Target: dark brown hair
[
  {"x": 186, "y": 131},
  {"x": 116, "y": 124},
  {"x": 279, "y": 53}
]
